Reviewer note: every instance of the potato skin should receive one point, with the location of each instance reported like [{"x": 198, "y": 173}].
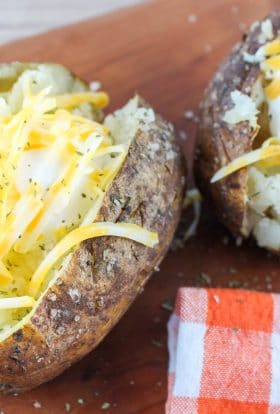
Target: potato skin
[
  {"x": 218, "y": 143},
  {"x": 89, "y": 298}
]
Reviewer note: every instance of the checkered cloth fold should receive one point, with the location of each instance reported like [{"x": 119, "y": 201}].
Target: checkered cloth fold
[{"x": 224, "y": 348}]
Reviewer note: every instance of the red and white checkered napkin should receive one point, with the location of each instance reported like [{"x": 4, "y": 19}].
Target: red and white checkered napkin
[{"x": 224, "y": 353}]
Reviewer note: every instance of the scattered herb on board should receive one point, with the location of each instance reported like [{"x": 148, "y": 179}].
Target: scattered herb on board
[{"x": 167, "y": 305}]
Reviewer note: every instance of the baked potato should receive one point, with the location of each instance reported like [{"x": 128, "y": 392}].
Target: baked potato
[
  {"x": 238, "y": 143},
  {"x": 88, "y": 208}
]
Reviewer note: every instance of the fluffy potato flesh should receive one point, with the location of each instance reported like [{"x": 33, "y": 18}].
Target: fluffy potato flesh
[
  {"x": 57, "y": 163},
  {"x": 262, "y": 111}
]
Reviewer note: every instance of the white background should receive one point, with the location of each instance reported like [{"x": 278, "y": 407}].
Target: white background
[{"x": 19, "y": 18}]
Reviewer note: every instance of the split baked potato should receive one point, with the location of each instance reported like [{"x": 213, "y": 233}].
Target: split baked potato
[
  {"x": 238, "y": 144},
  {"x": 88, "y": 208}
]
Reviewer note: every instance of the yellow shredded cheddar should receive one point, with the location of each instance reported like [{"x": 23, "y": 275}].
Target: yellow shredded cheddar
[
  {"x": 5, "y": 275},
  {"x": 272, "y": 48},
  {"x": 269, "y": 150},
  {"x": 272, "y": 63},
  {"x": 17, "y": 302},
  {"x": 100, "y": 99},
  {"x": 74, "y": 238},
  {"x": 55, "y": 169},
  {"x": 268, "y": 155},
  {"x": 273, "y": 89}
]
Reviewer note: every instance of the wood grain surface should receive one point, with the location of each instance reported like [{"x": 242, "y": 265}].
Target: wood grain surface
[{"x": 167, "y": 51}]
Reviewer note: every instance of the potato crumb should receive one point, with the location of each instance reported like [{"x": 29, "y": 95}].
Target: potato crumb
[
  {"x": 192, "y": 18},
  {"x": 67, "y": 407},
  {"x": 105, "y": 406},
  {"x": 80, "y": 401},
  {"x": 193, "y": 198},
  {"x": 189, "y": 114},
  {"x": 95, "y": 86},
  {"x": 37, "y": 404},
  {"x": 183, "y": 135},
  {"x": 244, "y": 109}
]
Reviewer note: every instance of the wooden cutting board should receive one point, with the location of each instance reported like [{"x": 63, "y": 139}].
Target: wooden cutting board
[{"x": 166, "y": 50}]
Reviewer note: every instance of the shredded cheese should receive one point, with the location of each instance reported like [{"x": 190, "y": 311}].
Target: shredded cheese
[
  {"x": 268, "y": 155},
  {"x": 56, "y": 166},
  {"x": 244, "y": 109},
  {"x": 273, "y": 89},
  {"x": 272, "y": 48},
  {"x": 17, "y": 302},
  {"x": 272, "y": 63},
  {"x": 194, "y": 198},
  {"x": 252, "y": 157},
  {"x": 74, "y": 238},
  {"x": 99, "y": 99}
]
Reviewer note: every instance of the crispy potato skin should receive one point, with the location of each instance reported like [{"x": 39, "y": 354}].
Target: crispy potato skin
[
  {"x": 218, "y": 143},
  {"x": 104, "y": 275}
]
